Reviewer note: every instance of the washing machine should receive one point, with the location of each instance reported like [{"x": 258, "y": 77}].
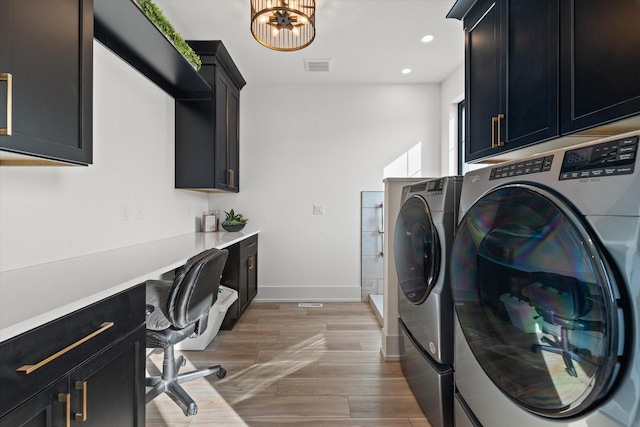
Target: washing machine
[
  {"x": 545, "y": 279},
  {"x": 422, "y": 245}
]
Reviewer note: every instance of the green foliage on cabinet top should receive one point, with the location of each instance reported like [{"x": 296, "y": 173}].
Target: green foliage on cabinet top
[{"x": 156, "y": 16}]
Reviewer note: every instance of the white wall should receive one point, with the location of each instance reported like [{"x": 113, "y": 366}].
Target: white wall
[
  {"x": 50, "y": 213},
  {"x": 323, "y": 144},
  {"x": 451, "y": 93}
]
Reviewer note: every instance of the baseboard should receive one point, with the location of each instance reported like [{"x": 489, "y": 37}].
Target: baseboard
[{"x": 309, "y": 294}]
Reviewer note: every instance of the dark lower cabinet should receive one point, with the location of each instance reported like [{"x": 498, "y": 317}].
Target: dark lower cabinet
[
  {"x": 241, "y": 274},
  {"x": 46, "y": 66},
  {"x": 48, "y": 408},
  {"x": 600, "y": 62},
  {"x": 94, "y": 370}
]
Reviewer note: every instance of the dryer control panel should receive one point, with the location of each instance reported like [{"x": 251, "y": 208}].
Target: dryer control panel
[
  {"x": 525, "y": 167},
  {"x": 605, "y": 159}
]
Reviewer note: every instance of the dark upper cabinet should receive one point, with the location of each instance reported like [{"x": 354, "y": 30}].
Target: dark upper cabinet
[
  {"x": 600, "y": 62},
  {"x": 562, "y": 67},
  {"x": 482, "y": 102},
  {"x": 47, "y": 49},
  {"x": 511, "y": 75},
  {"x": 207, "y": 131}
]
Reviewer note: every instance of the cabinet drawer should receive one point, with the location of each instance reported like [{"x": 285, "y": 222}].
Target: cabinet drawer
[
  {"x": 249, "y": 246},
  {"x": 54, "y": 349}
]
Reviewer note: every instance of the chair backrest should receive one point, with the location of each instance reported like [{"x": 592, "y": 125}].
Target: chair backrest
[{"x": 195, "y": 287}]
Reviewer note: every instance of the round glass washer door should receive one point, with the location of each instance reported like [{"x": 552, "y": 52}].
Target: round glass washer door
[
  {"x": 536, "y": 301},
  {"x": 416, "y": 250}
]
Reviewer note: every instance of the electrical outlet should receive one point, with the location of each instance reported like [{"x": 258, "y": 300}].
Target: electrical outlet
[
  {"x": 125, "y": 212},
  {"x": 318, "y": 209}
]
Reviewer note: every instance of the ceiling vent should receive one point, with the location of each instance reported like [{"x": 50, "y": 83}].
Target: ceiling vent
[{"x": 313, "y": 65}]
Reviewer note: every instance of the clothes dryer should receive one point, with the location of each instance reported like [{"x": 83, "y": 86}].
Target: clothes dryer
[
  {"x": 546, "y": 285},
  {"x": 422, "y": 245}
]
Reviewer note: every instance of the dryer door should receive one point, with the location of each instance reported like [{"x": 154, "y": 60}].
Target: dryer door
[
  {"x": 536, "y": 301},
  {"x": 416, "y": 250}
]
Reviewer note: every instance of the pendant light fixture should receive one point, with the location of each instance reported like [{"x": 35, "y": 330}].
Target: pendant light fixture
[{"x": 283, "y": 25}]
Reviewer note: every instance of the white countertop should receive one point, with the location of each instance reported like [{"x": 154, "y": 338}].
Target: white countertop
[{"x": 33, "y": 296}]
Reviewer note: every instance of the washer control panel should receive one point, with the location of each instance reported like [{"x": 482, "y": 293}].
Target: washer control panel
[
  {"x": 525, "y": 167},
  {"x": 432, "y": 187},
  {"x": 605, "y": 159}
]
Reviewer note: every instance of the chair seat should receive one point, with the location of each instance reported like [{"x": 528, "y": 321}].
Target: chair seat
[{"x": 168, "y": 337}]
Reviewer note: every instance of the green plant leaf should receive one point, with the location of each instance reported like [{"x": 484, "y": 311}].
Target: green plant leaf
[{"x": 156, "y": 16}]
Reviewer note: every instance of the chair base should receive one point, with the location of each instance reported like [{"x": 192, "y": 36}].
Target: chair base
[
  {"x": 568, "y": 352},
  {"x": 169, "y": 382}
]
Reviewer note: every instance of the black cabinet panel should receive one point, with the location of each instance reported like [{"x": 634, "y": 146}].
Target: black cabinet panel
[
  {"x": 102, "y": 344},
  {"x": 511, "y": 75},
  {"x": 600, "y": 62},
  {"x": 531, "y": 113},
  {"x": 42, "y": 410},
  {"x": 483, "y": 78},
  {"x": 207, "y": 132},
  {"x": 241, "y": 274},
  {"x": 47, "y": 47},
  {"x": 114, "y": 388}
]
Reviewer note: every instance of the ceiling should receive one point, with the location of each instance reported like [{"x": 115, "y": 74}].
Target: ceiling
[{"x": 368, "y": 41}]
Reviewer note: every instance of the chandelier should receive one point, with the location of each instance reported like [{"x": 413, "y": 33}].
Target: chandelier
[{"x": 284, "y": 25}]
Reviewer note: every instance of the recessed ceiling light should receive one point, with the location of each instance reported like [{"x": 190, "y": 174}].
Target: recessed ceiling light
[
  {"x": 406, "y": 71},
  {"x": 428, "y": 38}
]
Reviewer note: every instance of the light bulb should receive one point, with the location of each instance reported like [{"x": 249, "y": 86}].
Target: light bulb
[
  {"x": 303, "y": 19},
  {"x": 406, "y": 71},
  {"x": 275, "y": 32},
  {"x": 296, "y": 31},
  {"x": 428, "y": 38},
  {"x": 263, "y": 19}
]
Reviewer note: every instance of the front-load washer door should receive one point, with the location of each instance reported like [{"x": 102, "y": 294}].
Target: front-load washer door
[
  {"x": 416, "y": 250},
  {"x": 537, "y": 301}
]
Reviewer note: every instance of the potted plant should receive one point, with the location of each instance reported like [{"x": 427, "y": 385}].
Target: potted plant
[{"x": 233, "y": 221}]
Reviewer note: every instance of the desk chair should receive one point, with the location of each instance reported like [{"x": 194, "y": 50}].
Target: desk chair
[
  {"x": 563, "y": 301},
  {"x": 177, "y": 310}
]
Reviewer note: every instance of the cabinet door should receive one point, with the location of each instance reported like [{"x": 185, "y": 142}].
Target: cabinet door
[
  {"x": 600, "y": 62},
  {"x": 48, "y": 408},
  {"x": 47, "y": 47},
  {"x": 108, "y": 390},
  {"x": 483, "y": 73},
  {"x": 530, "y": 89},
  {"x": 226, "y": 148}
]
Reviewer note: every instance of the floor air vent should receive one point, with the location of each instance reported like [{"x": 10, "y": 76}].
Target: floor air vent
[{"x": 310, "y": 305}]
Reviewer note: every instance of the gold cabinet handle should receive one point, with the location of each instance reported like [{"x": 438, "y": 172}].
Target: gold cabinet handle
[
  {"x": 9, "y": 79},
  {"x": 82, "y": 416},
  {"x": 250, "y": 245},
  {"x": 251, "y": 263},
  {"x": 500, "y": 143},
  {"x": 232, "y": 178},
  {"x": 493, "y": 132},
  {"x": 66, "y": 398},
  {"x": 27, "y": 369}
]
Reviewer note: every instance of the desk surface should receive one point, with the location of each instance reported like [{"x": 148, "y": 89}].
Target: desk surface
[{"x": 33, "y": 296}]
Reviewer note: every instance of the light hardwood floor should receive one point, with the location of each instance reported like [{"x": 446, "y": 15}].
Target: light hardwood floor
[{"x": 290, "y": 366}]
